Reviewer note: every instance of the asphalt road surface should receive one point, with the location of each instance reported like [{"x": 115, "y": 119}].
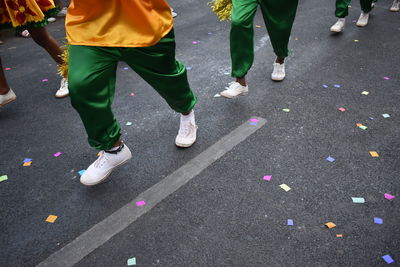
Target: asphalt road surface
[{"x": 210, "y": 205}]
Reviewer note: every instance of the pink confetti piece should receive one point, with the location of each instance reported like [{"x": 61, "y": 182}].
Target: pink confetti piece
[
  {"x": 386, "y": 78},
  {"x": 389, "y": 196},
  {"x": 7, "y": 68},
  {"x": 195, "y": 42},
  {"x": 342, "y": 109},
  {"x": 132, "y": 94},
  {"x": 254, "y": 120},
  {"x": 140, "y": 203},
  {"x": 267, "y": 177},
  {"x": 45, "y": 80},
  {"x": 57, "y": 154}
]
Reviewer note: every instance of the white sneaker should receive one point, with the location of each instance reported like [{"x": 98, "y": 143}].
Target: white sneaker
[
  {"x": 7, "y": 98},
  {"x": 63, "y": 12},
  {"x": 187, "y": 131},
  {"x": 51, "y": 19},
  {"x": 173, "y": 13},
  {"x": 339, "y": 25},
  {"x": 363, "y": 20},
  {"x": 99, "y": 170},
  {"x": 235, "y": 89},
  {"x": 278, "y": 74},
  {"x": 395, "y": 6},
  {"x": 63, "y": 91}
]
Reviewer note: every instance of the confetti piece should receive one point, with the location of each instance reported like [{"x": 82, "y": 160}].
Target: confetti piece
[
  {"x": 388, "y": 259},
  {"x": 339, "y": 235},
  {"x": 363, "y": 127},
  {"x": 388, "y": 196},
  {"x": 365, "y": 93},
  {"x": 253, "y": 123},
  {"x": 285, "y": 187},
  {"x": 27, "y": 160},
  {"x": 100, "y": 153},
  {"x": 356, "y": 41},
  {"x": 217, "y": 95},
  {"x": 188, "y": 68},
  {"x": 267, "y": 177},
  {"x": 386, "y": 116},
  {"x": 132, "y": 94},
  {"x": 378, "y": 220},
  {"x": 81, "y": 172},
  {"x": 290, "y": 222},
  {"x": 254, "y": 120},
  {"x": 51, "y": 218},
  {"x": 129, "y": 123},
  {"x": 330, "y": 225},
  {"x": 140, "y": 203},
  {"x": 195, "y": 42},
  {"x": 57, "y": 154},
  {"x": 227, "y": 73},
  {"x": 374, "y": 154},
  {"x": 325, "y": 86},
  {"x": 342, "y": 109},
  {"x": 131, "y": 262},
  {"x": 209, "y": 33},
  {"x": 3, "y": 178},
  {"x": 337, "y": 85},
  {"x": 258, "y": 26},
  {"x": 370, "y": 118},
  {"x": 27, "y": 164},
  {"x": 7, "y": 68},
  {"x": 386, "y": 78},
  {"x": 358, "y": 200},
  {"x": 45, "y": 80},
  {"x": 286, "y": 110},
  {"x": 126, "y": 68},
  {"x": 296, "y": 39},
  {"x": 330, "y": 159}
]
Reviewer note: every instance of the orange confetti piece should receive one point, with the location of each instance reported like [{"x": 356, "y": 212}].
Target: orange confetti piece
[
  {"x": 330, "y": 225},
  {"x": 51, "y": 218},
  {"x": 374, "y": 154}
]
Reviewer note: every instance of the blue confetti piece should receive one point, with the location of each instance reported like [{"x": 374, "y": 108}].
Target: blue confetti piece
[
  {"x": 209, "y": 33},
  {"x": 388, "y": 259},
  {"x": 131, "y": 262},
  {"x": 126, "y": 68},
  {"x": 290, "y": 222},
  {"x": 330, "y": 159},
  {"x": 27, "y": 160},
  {"x": 81, "y": 172},
  {"x": 189, "y": 68},
  {"x": 253, "y": 123},
  {"x": 325, "y": 86},
  {"x": 378, "y": 220},
  {"x": 337, "y": 85},
  {"x": 371, "y": 118}
]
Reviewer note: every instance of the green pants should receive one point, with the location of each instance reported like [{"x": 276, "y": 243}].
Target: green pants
[
  {"x": 278, "y": 16},
  {"x": 92, "y": 75},
  {"x": 342, "y": 7}
]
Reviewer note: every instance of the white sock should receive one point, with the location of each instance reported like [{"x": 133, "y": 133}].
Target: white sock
[{"x": 189, "y": 117}]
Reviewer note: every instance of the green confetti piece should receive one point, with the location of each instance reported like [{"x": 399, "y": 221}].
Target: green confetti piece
[
  {"x": 358, "y": 199},
  {"x": 3, "y": 178},
  {"x": 286, "y": 110},
  {"x": 131, "y": 261},
  {"x": 363, "y": 127}
]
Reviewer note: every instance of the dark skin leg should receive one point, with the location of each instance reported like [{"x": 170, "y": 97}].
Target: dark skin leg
[
  {"x": 4, "y": 88},
  {"x": 45, "y": 40}
]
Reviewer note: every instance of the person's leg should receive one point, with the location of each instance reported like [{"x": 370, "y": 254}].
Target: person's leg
[
  {"x": 45, "y": 40},
  {"x": 242, "y": 37},
  {"x": 342, "y": 8},
  {"x": 366, "y": 5},
  {"x": 157, "y": 65},
  {"x": 6, "y": 94},
  {"x": 279, "y": 16},
  {"x": 92, "y": 75}
]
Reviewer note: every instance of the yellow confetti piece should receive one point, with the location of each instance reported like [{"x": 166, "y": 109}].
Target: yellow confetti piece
[
  {"x": 51, "y": 218},
  {"x": 330, "y": 225},
  {"x": 356, "y": 41},
  {"x": 374, "y": 154},
  {"x": 285, "y": 187},
  {"x": 100, "y": 153},
  {"x": 29, "y": 163},
  {"x": 258, "y": 26}
]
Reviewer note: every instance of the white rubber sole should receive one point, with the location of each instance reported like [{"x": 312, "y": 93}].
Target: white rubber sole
[
  {"x": 230, "y": 97},
  {"x": 8, "y": 101},
  {"x": 62, "y": 96},
  {"x": 107, "y": 175},
  {"x": 184, "y": 145}
]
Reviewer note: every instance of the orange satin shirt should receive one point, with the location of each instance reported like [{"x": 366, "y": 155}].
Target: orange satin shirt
[{"x": 118, "y": 23}]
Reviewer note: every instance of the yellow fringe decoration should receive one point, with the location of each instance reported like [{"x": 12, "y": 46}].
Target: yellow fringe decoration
[
  {"x": 223, "y": 9},
  {"x": 63, "y": 68}
]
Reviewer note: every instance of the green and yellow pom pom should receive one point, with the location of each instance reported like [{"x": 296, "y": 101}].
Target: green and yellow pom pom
[
  {"x": 63, "y": 68},
  {"x": 223, "y": 8}
]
